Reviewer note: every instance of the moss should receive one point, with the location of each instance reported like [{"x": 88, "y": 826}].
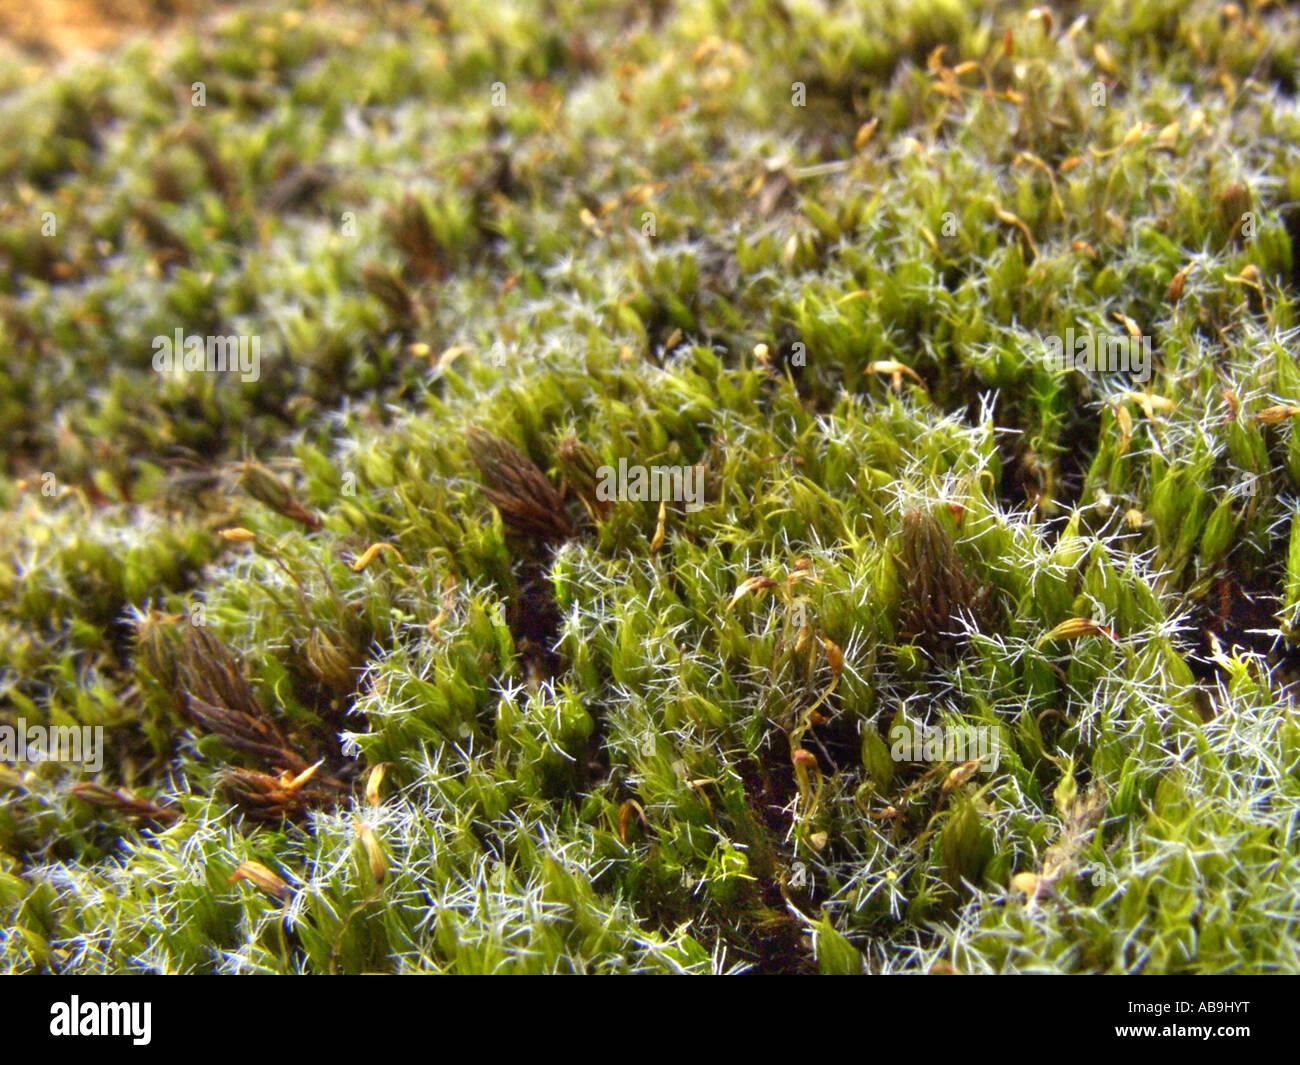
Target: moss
[{"x": 387, "y": 684}]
